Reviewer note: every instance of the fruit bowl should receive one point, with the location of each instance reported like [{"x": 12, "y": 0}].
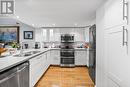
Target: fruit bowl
[{"x": 2, "y": 50}]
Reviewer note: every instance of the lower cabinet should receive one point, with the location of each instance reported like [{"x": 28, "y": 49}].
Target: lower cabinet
[
  {"x": 55, "y": 57},
  {"x": 81, "y": 57},
  {"x": 38, "y": 66}
]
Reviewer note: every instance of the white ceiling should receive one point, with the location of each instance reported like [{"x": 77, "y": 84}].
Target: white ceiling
[{"x": 59, "y": 12}]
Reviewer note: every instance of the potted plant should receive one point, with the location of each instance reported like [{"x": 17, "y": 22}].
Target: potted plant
[{"x": 15, "y": 45}]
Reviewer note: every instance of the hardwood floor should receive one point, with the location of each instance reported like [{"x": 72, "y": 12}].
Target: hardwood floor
[{"x": 66, "y": 77}]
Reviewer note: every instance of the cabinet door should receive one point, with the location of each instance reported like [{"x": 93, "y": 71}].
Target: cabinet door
[
  {"x": 55, "y": 55},
  {"x": 80, "y": 57},
  {"x": 113, "y": 13},
  {"x": 36, "y": 69},
  {"x": 57, "y": 35},
  {"x": 79, "y": 35},
  {"x": 48, "y": 58},
  {"x": 117, "y": 59}
]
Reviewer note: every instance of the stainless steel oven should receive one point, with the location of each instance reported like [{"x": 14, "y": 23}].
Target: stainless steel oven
[
  {"x": 67, "y": 53},
  {"x": 67, "y": 50},
  {"x": 67, "y": 58},
  {"x": 67, "y": 38},
  {"x": 67, "y": 62}
]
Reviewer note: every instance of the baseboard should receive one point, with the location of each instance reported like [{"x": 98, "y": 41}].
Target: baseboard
[
  {"x": 54, "y": 65},
  {"x": 81, "y": 65}
]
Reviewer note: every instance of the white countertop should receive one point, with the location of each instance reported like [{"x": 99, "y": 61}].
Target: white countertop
[
  {"x": 74, "y": 48},
  {"x": 10, "y": 61}
]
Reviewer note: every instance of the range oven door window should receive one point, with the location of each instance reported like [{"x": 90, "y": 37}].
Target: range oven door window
[
  {"x": 67, "y": 53},
  {"x": 67, "y": 60}
]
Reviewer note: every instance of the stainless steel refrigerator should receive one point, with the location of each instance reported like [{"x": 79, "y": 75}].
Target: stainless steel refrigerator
[{"x": 92, "y": 52}]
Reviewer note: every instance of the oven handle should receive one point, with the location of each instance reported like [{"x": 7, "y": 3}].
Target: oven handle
[{"x": 67, "y": 51}]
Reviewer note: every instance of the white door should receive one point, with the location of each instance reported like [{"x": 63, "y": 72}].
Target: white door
[{"x": 118, "y": 73}]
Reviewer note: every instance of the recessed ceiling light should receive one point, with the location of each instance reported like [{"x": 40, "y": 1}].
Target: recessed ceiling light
[
  {"x": 17, "y": 17},
  {"x": 53, "y": 24},
  {"x": 75, "y": 24},
  {"x": 32, "y": 24}
]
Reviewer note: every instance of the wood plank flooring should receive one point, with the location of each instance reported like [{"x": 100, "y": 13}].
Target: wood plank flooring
[{"x": 66, "y": 77}]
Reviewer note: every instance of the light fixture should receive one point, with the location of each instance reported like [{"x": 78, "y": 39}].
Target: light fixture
[
  {"x": 75, "y": 24},
  {"x": 53, "y": 24},
  {"x": 32, "y": 24},
  {"x": 17, "y": 17}
]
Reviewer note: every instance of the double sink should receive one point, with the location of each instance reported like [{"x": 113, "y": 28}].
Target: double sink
[{"x": 26, "y": 54}]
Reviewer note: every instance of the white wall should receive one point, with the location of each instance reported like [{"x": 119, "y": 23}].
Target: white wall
[
  {"x": 86, "y": 34},
  {"x": 100, "y": 47}
]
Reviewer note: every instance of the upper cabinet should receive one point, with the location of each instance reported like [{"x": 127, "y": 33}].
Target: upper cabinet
[
  {"x": 41, "y": 35},
  {"x": 38, "y": 34},
  {"x": 54, "y": 35},
  {"x": 80, "y": 35},
  {"x": 116, "y": 12}
]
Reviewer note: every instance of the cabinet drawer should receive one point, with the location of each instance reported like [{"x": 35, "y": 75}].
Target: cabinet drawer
[{"x": 36, "y": 60}]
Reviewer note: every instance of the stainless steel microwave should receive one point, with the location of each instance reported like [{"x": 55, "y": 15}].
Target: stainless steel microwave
[{"x": 67, "y": 38}]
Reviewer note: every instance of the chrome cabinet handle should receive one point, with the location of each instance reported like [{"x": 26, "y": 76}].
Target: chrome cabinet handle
[
  {"x": 125, "y": 36},
  {"x": 125, "y": 16},
  {"x": 123, "y": 10}
]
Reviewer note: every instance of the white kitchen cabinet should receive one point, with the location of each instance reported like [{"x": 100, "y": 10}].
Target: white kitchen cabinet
[
  {"x": 117, "y": 58},
  {"x": 44, "y": 35},
  {"x": 80, "y": 57},
  {"x": 36, "y": 69},
  {"x": 38, "y": 66},
  {"x": 79, "y": 34},
  {"x": 48, "y": 58},
  {"x": 86, "y": 34},
  {"x": 41, "y": 35},
  {"x": 55, "y": 57},
  {"x": 56, "y": 35},
  {"x": 114, "y": 13}
]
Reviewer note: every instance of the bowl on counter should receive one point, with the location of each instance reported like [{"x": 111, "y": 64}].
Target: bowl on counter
[{"x": 2, "y": 50}]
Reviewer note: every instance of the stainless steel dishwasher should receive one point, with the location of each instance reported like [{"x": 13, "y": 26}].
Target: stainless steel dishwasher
[{"x": 15, "y": 77}]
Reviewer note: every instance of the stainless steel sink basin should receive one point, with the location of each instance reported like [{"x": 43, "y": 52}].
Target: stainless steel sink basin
[
  {"x": 26, "y": 54},
  {"x": 22, "y": 55},
  {"x": 33, "y": 52}
]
